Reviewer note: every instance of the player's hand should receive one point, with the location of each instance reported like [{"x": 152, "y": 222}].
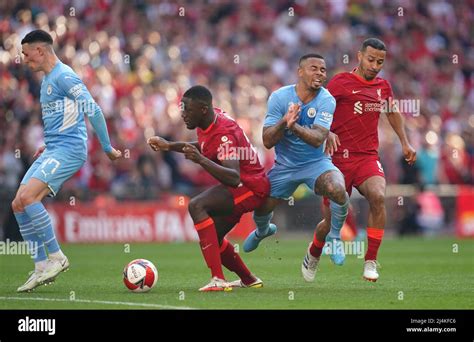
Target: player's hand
[
  {"x": 332, "y": 142},
  {"x": 409, "y": 154},
  {"x": 192, "y": 153},
  {"x": 292, "y": 115},
  {"x": 114, "y": 154},
  {"x": 39, "y": 151},
  {"x": 158, "y": 144}
]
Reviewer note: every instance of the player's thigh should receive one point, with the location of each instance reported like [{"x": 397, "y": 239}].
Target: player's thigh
[
  {"x": 216, "y": 201},
  {"x": 34, "y": 191},
  {"x": 283, "y": 182},
  {"x": 324, "y": 178},
  {"x": 56, "y": 168},
  {"x": 373, "y": 189}
]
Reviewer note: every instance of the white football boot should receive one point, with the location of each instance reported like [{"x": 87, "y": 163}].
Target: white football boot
[
  {"x": 370, "y": 270},
  {"x": 309, "y": 266},
  {"x": 258, "y": 283},
  {"x": 216, "y": 284},
  {"x": 31, "y": 283},
  {"x": 53, "y": 268}
]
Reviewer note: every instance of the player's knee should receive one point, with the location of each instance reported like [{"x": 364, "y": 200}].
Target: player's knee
[
  {"x": 376, "y": 199},
  {"x": 17, "y": 206},
  {"x": 195, "y": 206},
  {"x": 26, "y": 197}
]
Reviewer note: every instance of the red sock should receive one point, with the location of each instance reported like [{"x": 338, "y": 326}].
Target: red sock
[
  {"x": 374, "y": 239},
  {"x": 234, "y": 263},
  {"x": 316, "y": 247},
  {"x": 210, "y": 246}
]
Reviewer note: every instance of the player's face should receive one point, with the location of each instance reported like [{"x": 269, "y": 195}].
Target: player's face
[
  {"x": 312, "y": 73},
  {"x": 192, "y": 112},
  {"x": 371, "y": 62},
  {"x": 33, "y": 56}
]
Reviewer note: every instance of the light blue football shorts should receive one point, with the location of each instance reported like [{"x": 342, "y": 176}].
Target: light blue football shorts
[
  {"x": 284, "y": 180},
  {"x": 54, "y": 168}
]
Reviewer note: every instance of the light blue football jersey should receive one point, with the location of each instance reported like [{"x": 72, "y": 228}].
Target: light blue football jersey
[
  {"x": 291, "y": 151},
  {"x": 64, "y": 101}
]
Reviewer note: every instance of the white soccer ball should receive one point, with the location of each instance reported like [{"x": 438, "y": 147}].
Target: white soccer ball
[{"x": 140, "y": 275}]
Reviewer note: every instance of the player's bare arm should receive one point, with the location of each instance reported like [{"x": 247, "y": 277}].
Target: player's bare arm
[
  {"x": 397, "y": 123},
  {"x": 160, "y": 144},
  {"x": 314, "y": 135},
  {"x": 228, "y": 173},
  {"x": 273, "y": 134}
]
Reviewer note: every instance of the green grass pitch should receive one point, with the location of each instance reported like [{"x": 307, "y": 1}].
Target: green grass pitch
[{"x": 416, "y": 274}]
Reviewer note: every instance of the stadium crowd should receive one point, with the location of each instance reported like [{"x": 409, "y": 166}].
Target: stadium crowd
[{"x": 137, "y": 58}]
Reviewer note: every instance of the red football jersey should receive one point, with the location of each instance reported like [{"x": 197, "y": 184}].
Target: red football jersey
[
  {"x": 358, "y": 107},
  {"x": 224, "y": 139}
]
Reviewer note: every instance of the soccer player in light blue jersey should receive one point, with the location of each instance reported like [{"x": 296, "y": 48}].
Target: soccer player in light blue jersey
[
  {"x": 64, "y": 101},
  {"x": 297, "y": 124}
]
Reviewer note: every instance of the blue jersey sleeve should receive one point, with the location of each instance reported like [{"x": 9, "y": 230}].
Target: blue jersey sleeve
[
  {"x": 77, "y": 91},
  {"x": 275, "y": 110},
  {"x": 325, "y": 113}
]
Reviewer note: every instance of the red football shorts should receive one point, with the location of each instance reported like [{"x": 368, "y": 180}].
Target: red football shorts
[
  {"x": 244, "y": 201},
  {"x": 357, "y": 170}
]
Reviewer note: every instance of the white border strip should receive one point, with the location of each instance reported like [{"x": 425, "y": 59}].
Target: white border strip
[{"x": 93, "y": 301}]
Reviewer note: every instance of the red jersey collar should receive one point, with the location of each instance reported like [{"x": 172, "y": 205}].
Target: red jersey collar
[{"x": 363, "y": 80}]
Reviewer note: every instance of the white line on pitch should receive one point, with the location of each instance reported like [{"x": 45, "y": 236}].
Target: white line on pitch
[{"x": 93, "y": 301}]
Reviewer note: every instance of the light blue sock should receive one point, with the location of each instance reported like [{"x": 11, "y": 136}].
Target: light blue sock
[
  {"x": 42, "y": 223},
  {"x": 338, "y": 216},
  {"x": 263, "y": 223},
  {"x": 28, "y": 232}
]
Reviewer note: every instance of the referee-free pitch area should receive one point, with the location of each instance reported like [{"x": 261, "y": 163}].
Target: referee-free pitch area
[{"x": 416, "y": 273}]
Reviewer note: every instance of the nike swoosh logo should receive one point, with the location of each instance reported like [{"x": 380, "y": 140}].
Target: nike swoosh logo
[
  {"x": 205, "y": 247},
  {"x": 356, "y": 91}
]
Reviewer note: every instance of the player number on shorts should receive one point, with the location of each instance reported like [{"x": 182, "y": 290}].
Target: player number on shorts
[{"x": 50, "y": 162}]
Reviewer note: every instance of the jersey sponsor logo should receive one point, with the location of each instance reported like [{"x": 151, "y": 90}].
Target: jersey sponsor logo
[
  {"x": 356, "y": 91},
  {"x": 358, "y": 107},
  {"x": 76, "y": 90},
  {"x": 49, "y": 89},
  {"x": 311, "y": 112},
  {"x": 326, "y": 116}
]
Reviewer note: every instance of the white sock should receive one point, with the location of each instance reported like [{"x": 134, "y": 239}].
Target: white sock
[
  {"x": 40, "y": 265},
  {"x": 59, "y": 255}
]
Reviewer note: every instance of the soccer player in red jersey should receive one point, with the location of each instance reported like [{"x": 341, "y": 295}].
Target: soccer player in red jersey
[
  {"x": 361, "y": 97},
  {"x": 225, "y": 152}
]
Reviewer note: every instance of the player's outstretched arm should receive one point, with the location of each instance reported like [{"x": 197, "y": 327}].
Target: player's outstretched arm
[
  {"x": 161, "y": 144},
  {"x": 314, "y": 135},
  {"x": 228, "y": 173},
  {"x": 396, "y": 121},
  {"x": 77, "y": 91},
  {"x": 97, "y": 121}
]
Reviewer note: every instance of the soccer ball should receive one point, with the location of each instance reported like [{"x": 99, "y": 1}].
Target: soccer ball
[{"x": 140, "y": 275}]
